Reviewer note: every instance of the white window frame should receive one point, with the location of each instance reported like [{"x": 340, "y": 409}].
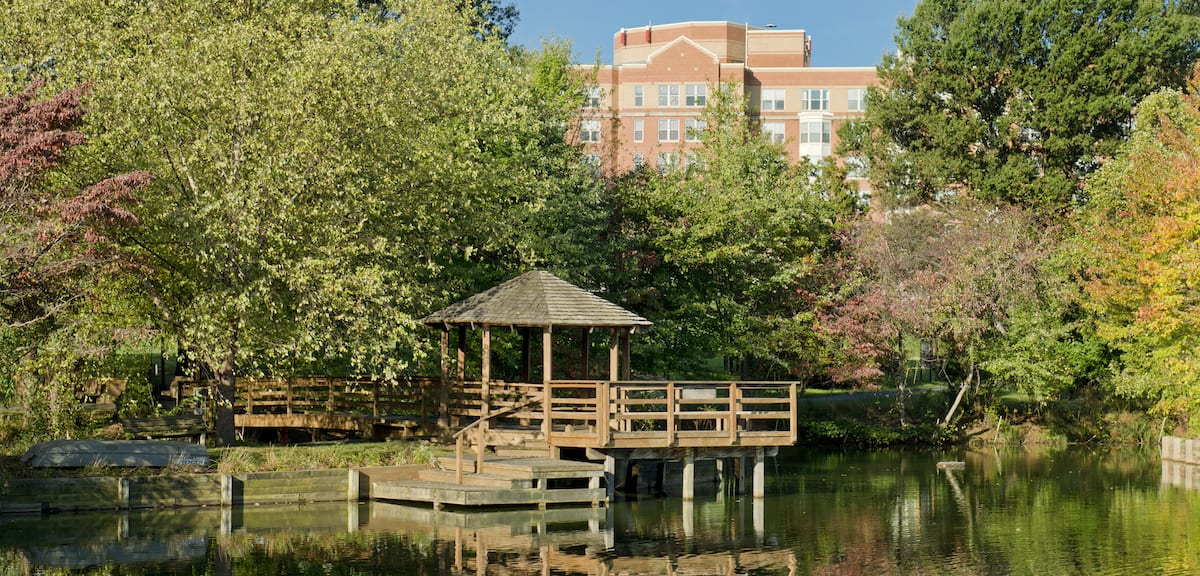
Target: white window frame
[
  {"x": 824, "y": 134},
  {"x": 639, "y": 96},
  {"x": 592, "y": 97},
  {"x": 639, "y": 130},
  {"x": 695, "y": 95},
  {"x": 589, "y": 131},
  {"x": 814, "y": 99},
  {"x": 775, "y": 132},
  {"x": 668, "y": 130},
  {"x": 773, "y": 99},
  {"x": 856, "y": 100},
  {"x": 693, "y": 128},
  {"x": 638, "y": 160},
  {"x": 667, "y": 162},
  {"x": 668, "y": 95}
]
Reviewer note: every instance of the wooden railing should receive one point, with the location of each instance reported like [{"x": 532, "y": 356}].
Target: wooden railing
[
  {"x": 637, "y": 414},
  {"x": 415, "y": 396},
  {"x": 569, "y": 413}
]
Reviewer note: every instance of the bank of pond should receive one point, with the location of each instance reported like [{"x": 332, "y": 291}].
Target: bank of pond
[{"x": 1074, "y": 510}]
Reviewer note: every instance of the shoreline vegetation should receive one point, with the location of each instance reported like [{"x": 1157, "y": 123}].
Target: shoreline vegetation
[{"x": 874, "y": 419}]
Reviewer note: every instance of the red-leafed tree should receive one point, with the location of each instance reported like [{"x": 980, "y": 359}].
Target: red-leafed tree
[{"x": 55, "y": 246}]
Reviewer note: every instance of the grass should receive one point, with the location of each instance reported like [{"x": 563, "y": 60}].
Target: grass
[{"x": 247, "y": 459}]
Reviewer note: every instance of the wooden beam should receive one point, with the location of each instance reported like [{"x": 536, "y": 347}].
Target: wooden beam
[
  {"x": 484, "y": 399},
  {"x": 760, "y": 474},
  {"x": 614, "y": 351},
  {"x": 547, "y": 355},
  {"x": 689, "y": 476},
  {"x": 443, "y": 415}
]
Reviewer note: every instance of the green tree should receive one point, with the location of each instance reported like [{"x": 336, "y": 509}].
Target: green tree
[
  {"x": 1137, "y": 240},
  {"x": 325, "y": 173},
  {"x": 723, "y": 255},
  {"x": 981, "y": 282},
  {"x": 1017, "y": 101},
  {"x": 56, "y": 256}
]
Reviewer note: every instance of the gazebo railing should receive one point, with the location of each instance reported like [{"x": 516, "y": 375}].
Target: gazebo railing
[{"x": 641, "y": 414}]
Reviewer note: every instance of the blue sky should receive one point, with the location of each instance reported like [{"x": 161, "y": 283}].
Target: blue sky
[{"x": 852, "y": 33}]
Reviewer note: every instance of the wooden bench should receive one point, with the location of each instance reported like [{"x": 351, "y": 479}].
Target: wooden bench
[{"x": 183, "y": 425}]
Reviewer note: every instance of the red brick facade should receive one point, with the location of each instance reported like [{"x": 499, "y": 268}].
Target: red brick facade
[{"x": 661, "y": 76}]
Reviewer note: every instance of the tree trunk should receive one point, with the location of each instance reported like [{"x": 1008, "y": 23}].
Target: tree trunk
[
  {"x": 962, "y": 391},
  {"x": 226, "y": 389}
]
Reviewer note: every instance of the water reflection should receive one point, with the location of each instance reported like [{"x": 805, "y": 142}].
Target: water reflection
[{"x": 827, "y": 513}]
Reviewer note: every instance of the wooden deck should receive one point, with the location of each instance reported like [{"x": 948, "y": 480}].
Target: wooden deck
[
  {"x": 593, "y": 414},
  {"x": 502, "y": 481}
]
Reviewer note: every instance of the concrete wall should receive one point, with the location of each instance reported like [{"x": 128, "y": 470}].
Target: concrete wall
[{"x": 109, "y": 493}]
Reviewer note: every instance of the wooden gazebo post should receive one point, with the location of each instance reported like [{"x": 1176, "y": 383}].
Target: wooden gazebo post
[{"x": 485, "y": 397}]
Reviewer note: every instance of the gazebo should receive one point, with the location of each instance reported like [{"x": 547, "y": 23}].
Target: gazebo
[
  {"x": 533, "y": 301},
  {"x": 613, "y": 418}
]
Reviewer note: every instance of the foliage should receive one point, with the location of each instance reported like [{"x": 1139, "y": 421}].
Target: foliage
[
  {"x": 722, "y": 256},
  {"x": 1137, "y": 241},
  {"x": 325, "y": 173},
  {"x": 1016, "y": 102},
  {"x": 977, "y": 281},
  {"x": 57, "y": 255}
]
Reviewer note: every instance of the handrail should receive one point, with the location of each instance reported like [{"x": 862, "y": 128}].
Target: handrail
[{"x": 458, "y": 436}]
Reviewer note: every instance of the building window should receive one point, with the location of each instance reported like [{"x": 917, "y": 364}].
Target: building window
[
  {"x": 815, "y": 99},
  {"x": 774, "y": 132},
  {"x": 639, "y": 130},
  {"x": 856, "y": 167},
  {"x": 692, "y": 129},
  {"x": 693, "y": 161},
  {"x": 639, "y": 96},
  {"x": 668, "y": 130},
  {"x": 668, "y": 95},
  {"x": 667, "y": 162},
  {"x": 695, "y": 95},
  {"x": 856, "y": 100},
  {"x": 814, "y": 132},
  {"x": 592, "y": 97},
  {"x": 772, "y": 99},
  {"x": 592, "y": 161},
  {"x": 638, "y": 160},
  {"x": 589, "y": 131}
]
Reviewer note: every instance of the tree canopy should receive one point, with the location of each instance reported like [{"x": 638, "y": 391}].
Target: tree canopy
[
  {"x": 1138, "y": 243},
  {"x": 724, "y": 253},
  {"x": 1017, "y": 101},
  {"x": 57, "y": 251},
  {"x": 323, "y": 171}
]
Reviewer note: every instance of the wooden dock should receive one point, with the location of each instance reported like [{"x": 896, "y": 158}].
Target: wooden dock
[{"x": 503, "y": 481}]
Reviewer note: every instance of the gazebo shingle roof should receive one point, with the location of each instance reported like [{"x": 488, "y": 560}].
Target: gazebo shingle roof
[{"x": 536, "y": 298}]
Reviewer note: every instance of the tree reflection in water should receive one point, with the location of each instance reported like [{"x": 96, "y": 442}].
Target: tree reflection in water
[{"x": 827, "y": 513}]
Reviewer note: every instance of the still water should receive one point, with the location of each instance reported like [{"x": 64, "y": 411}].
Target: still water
[{"x": 1060, "y": 512}]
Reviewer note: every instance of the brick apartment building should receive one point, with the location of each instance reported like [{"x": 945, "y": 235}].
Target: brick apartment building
[{"x": 644, "y": 106}]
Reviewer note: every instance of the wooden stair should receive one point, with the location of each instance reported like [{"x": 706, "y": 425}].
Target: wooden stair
[{"x": 505, "y": 481}]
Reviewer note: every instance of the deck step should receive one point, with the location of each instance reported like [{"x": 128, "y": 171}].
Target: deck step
[
  {"x": 547, "y": 468},
  {"x": 492, "y": 480},
  {"x": 440, "y": 493},
  {"x": 523, "y": 451}
]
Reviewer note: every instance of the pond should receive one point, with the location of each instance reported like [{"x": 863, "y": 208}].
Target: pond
[{"x": 1070, "y": 511}]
